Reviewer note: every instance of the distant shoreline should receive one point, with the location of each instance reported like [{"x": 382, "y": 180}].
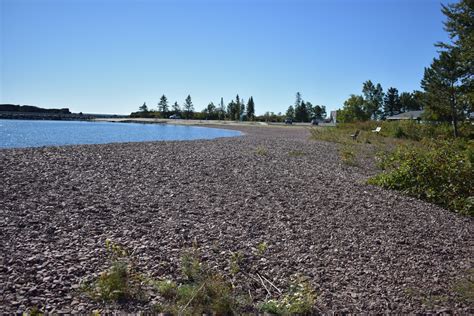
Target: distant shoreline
[
  {"x": 44, "y": 116},
  {"x": 11, "y": 115}
]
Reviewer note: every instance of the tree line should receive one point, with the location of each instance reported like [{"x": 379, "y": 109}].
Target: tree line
[
  {"x": 304, "y": 111},
  {"x": 374, "y": 104},
  {"x": 448, "y": 83},
  {"x": 237, "y": 109}
]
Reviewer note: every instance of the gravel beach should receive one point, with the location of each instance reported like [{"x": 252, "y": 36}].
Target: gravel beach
[{"x": 363, "y": 248}]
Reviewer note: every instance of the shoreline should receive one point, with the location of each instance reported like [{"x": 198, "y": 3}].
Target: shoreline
[{"x": 362, "y": 248}]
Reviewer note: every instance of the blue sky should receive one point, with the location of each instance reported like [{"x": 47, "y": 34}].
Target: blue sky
[{"x": 110, "y": 56}]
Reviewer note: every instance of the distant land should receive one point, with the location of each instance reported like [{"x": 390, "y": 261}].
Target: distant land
[{"x": 31, "y": 112}]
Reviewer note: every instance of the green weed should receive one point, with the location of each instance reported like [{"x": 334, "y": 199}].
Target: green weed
[
  {"x": 120, "y": 282},
  {"x": 262, "y": 248},
  {"x": 296, "y": 153},
  {"x": 347, "y": 154},
  {"x": 235, "y": 261},
  {"x": 299, "y": 300},
  {"x": 261, "y": 151}
]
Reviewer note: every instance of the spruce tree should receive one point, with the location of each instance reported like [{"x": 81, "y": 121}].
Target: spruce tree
[
  {"x": 176, "y": 108},
  {"x": 188, "y": 107},
  {"x": 391, "y": 103},
  {"x": 163, "y": 105},
  {"x": 251, "y": 109}
]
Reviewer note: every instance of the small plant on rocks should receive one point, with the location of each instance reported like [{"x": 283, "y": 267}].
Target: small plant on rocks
[
  {"x": 347, "y": 155},
  {"x": 296, "y": 153},
  {"x": 121, "y": 282},
  {"x": 166, "y": 288},
  {"x": 262, "y": 248},
  {"x": 299, "y": 300},
  {"x": 261, "y": 151},
  {"x": 204, "y": 292},
  {"x": 465, "y": 288},
  {"x": 235, "y": 261}
]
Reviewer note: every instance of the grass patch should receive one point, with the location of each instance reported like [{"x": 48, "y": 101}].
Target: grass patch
[
  {"x": 296, "y": 153},
  {"x": 261, "y": 151},
  {"x": 262, "y": 248},
  {"x": 465, "y": 288},
  {"x": 200, "y": 290},
  {"x": 348, "y": 155},
  {"x": 235, "y": 261}
]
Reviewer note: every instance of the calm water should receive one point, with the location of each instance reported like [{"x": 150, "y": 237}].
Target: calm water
[{"x": 22, "y": 133}]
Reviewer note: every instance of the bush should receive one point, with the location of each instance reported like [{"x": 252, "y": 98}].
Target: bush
[
  {"x": 120, "y": 283},
  {"x": 436, "y": 171}
]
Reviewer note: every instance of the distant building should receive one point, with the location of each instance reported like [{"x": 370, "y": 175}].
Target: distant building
[{"x": 410, "y": 115}]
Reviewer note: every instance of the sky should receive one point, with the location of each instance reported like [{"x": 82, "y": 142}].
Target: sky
[{"x": 111, "y": 56}]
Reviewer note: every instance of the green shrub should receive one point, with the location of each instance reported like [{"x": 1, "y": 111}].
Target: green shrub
[
  {"x": 121, "y": 282},
  {"x": 439, "y": 172}
]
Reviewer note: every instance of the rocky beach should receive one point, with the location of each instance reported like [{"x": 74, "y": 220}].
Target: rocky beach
[{"x": 363, "y": 248}]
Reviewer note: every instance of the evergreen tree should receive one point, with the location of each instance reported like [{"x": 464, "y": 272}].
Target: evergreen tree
[
  {"x": 410, "y": 101},
  {"x": 163, "y": 105},
  {"x": 449, "y": 81},
  {"x": 373, "y": 97},
  {"x": 210, "y": 111},
  {"x": 391, "y": 103},
  {"x": 444, "y": 91},
  {"x": 251, "y": 109},
  {"x": 231, "y": 110},
  {"x": 297, "y": 100},
  {"x": 460, "y": 27},
  {"x": 143, "y": 108},
  {"x": 301, "y": 112},
  {"x": 221, "y": 110},
  {"x": 236, "y": 111},
  {"x": 176, "y": 108},
  {"x": 242, "y": 109},
  {"x": 188, "y": 107}
]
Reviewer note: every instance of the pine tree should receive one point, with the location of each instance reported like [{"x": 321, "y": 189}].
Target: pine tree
[
  {"x": 236, "y": 111},
  {"x": 221, "y": 110},
  {"x": 251, "y": 109},
  {"x": 391, "y": 103},
  {"x": 188, "y": 107},
  {"x": 143, "y": 108},
  {"x": 176, "y": 108},
  {"x": 444, "y": 93},
  {"x": 301, "y": 112},
  {"x": 242, "y": 109},
  {"x": 163, "y": 105}
]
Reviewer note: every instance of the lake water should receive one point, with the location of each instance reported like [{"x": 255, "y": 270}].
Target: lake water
[{"x": 23, "y": 133}]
